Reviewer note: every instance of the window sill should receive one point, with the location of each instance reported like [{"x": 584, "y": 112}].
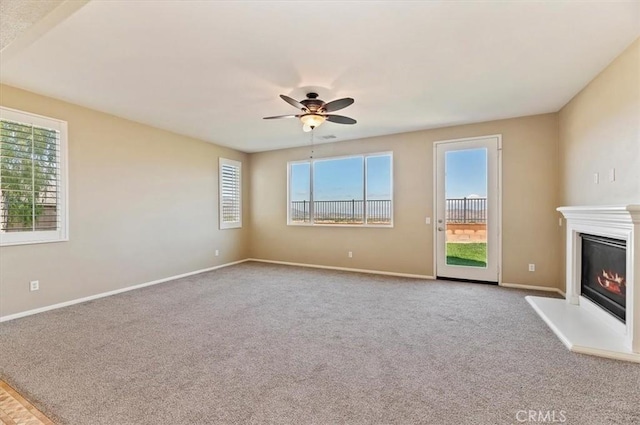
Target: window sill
[
  {"x": 16, "y": 243},
  {"x": 230, "y": 226}
]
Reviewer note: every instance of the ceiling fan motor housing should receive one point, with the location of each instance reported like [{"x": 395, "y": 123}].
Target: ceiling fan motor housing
[{"x": 312, "y": 103}]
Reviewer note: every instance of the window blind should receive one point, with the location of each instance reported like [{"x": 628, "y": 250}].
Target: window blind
[
  {"x": 31, "y": 207},
  {"x": 230, "y": 194}
]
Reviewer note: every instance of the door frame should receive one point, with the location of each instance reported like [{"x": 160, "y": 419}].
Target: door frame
[{"x": 434, "y": 222}]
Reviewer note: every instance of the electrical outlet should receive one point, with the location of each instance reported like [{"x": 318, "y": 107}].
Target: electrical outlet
[
  {"x": 532, "y": 267},
  {"x": 34, "y": 285},
  {"x": 612, "y": 175},
  {"x": 350, "y": 254},
  {"x": 217, "y": 252},
  {"x": 596, "y": 178}
]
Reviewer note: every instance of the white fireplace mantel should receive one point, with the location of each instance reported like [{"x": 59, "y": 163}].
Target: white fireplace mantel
[{"x": 580, "y": 324}]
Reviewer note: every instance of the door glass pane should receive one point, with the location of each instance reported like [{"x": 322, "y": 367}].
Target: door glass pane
[{"x": 466, "y": 207}]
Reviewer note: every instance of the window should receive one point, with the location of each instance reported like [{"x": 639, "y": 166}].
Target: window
[
  {"x": 230, "y": 194},
  {"x": 353, "y": 190},
  {"x": 33, "y": 179},
  {"x": 300, "y": 192}
]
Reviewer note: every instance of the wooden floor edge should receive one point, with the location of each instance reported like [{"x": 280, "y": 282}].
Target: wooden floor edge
[{"x": 24, "y": 403}]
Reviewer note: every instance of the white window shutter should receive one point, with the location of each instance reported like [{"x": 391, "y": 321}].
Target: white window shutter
[
  {"x": 230, "y": 178},
  {"x": 33, "y": 205}
]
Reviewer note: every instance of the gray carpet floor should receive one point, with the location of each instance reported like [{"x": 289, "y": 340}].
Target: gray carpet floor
[{"x": 257, "y": 343}]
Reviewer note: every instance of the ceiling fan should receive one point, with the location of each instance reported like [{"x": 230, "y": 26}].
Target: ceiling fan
[{"x": 316, "y": 111}]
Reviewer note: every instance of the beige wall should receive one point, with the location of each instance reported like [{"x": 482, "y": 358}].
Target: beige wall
[
  {"x": 600, "y": 130},
  {"x": 143, "y": 202},
  {"x": 143, "y": 206},
  {"x": 530, "y": 223}
]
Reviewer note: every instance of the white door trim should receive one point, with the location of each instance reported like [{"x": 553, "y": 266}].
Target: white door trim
[{"x": 435, "y": 199}]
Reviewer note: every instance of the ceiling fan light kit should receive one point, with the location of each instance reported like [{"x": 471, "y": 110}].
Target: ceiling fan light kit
[
  {"x": 315, "y": 111},
  {"x": 311, "y": 121}
]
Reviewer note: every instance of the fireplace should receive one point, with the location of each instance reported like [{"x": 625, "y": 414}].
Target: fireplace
[
  {"x": 601, "y": 313},
  {"x": 603, "y": 274}
]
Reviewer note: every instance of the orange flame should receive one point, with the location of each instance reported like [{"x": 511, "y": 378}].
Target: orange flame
[{"x": 613, "y": 282}]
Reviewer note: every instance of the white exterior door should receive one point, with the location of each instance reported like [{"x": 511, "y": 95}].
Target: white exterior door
[{"x": 467, "y": 192}]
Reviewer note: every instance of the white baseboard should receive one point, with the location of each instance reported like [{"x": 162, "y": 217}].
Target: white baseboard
[
  {"x": 532, "y": 287},
  {"x": 114, "y": 292},
  {"x": 344, "y": 269},
  {"x": 286, "y": 263}
]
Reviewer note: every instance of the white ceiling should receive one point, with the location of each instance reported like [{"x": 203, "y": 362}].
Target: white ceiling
[
  {"x": 212, "y": 69},
  {"x": 18, "y": 15}
]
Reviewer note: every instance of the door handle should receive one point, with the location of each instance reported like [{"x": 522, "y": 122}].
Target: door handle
[{"x": 440, "y": 229}]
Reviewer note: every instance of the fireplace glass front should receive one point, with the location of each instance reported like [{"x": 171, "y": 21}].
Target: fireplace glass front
[{"x": 603, "y": 273}]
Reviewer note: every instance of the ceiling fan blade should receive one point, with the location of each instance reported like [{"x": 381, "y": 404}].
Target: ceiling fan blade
[
  {"x": 336, "y": 105},
  {"x": 293, "y": 102},
  {"x": 340, "y": 119},
  {"x": 281, "y": 116}
]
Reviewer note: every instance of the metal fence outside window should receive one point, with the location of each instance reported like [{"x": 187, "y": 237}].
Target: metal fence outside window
[
  {"x": 458, "y": 210},
  {"x": 342, "y": 212},
  {"x": 466, "y": 210}
]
